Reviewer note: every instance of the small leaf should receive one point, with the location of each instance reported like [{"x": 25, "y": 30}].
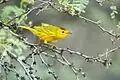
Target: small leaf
[
  {"x": 13, "y": 44},
  {"x": 115, "y": 12},
  {"x": 113, "y": 16},
  {"x": 8, "y": 10},
  {"x": 74, "y": 5},
  {"x": 113, "y": 7},
  {"x": 24, "y": 3}
]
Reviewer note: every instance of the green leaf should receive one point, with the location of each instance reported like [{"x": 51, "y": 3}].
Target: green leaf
[
  {"x": 24, "y": 3},
  {"x": 113, "y": 7},
  {"x": 6, "y": 39},
  {"x": 74, "y": 5},
  {"x": 8, "y": 11},
  {"x": 80, "y": 5}
]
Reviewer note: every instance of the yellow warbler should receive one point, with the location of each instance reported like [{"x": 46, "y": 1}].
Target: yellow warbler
[{"x": 48, "y": 32}]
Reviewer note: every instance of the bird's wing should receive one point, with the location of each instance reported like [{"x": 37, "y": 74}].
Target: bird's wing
[
  {"x": 45, "y": 30},
  {"x": 45, "y": 33}
]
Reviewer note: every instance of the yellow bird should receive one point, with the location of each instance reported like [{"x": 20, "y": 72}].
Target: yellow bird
[{"x": 48, "y": 33}]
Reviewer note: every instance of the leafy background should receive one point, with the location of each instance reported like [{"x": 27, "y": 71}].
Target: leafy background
[{"x": 86, "y": 37}]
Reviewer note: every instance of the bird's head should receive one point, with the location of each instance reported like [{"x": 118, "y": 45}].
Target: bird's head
[{"x": 62, "y": 32}]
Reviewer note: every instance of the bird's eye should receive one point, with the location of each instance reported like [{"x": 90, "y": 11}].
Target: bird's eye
[{"x": 62, "y": 31}]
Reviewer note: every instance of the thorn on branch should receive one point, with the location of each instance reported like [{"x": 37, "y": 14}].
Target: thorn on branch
[
  {"x": 24, "y": 61},
  {"x": 17, "y": 75},
  {"x": 83, "y": 74},
  {"x": 22, "y": 78},
  {"x": 11, "y": 66},
  {"x": 34, "y": 63},
  {"x": 62, "y": 50},
  {"x": 38, "y": 78},
  {"x": 107, "y": 63},
  {"x": 30, "y": 68},
  {"x": 31, "y": 72}
]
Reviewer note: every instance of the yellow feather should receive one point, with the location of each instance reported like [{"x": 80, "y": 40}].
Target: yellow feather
[{"x": 48, "y": 32}]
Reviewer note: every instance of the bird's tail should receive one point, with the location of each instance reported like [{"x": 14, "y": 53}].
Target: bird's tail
[{"x": 28, "y": 28}]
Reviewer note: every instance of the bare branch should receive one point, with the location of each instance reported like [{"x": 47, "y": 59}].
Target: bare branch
[
  {"x": 20, "y": 62},
  {"x": 49, "y": 70}
]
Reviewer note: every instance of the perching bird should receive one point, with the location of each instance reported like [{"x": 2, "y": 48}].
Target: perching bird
[{"x": 48, "y": 33}]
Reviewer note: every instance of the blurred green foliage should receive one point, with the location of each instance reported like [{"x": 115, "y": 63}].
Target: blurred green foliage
[
  {"x": 9, "y": 12},
  {"x": 11, "y": 43},
  {"x": 24, "y": 3},
  {"x": 74, "y": 6}
]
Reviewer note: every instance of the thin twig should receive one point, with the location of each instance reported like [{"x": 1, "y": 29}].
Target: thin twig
[
  {"x": 26, "y": 13},
  {"x": 20, "y": 62},
  {"x": 72, "y": 67},
  {"x": 14, "y": 71},
  {"x": 55, "y": 57},
  {"x": 89, "y": 20},
  {"x": 110, "y": 51},
  {"x": 49, "y": 70},
  {"x": 88, "y": 58},
  {"x": 99, "y": 26}
]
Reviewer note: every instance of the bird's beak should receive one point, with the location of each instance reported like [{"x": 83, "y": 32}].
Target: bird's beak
[{"x": 69, "y": 32}]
